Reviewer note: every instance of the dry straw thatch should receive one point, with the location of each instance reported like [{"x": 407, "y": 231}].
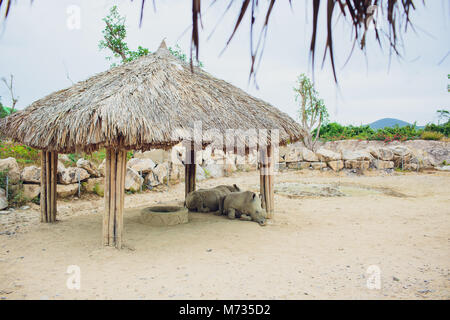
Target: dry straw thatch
[{"x": 141, "y": 105}]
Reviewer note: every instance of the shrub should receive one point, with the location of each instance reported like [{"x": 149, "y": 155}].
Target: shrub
[
  {"x": 335, "y": 131},
  {"x": 17, "y": 198},
  {"x": 443, "y": 128},
  {"x": 23, "y": 154},
  {"x": 431, "y": 135}
]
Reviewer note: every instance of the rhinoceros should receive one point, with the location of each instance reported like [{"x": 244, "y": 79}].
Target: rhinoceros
[
  {"x": 245, "y": 205},
  {"x": 208, "y": 200}
]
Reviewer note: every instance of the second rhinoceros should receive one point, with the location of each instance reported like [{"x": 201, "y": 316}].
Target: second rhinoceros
[
  {"x": 208, "y": 200},
  {"x": 244, "y": 205}
]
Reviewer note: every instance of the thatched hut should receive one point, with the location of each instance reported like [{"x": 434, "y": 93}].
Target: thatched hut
[{"x": 152, "y": 102}]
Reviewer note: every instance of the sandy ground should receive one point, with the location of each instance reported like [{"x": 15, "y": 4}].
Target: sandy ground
[{"x": 315, "y": 248}]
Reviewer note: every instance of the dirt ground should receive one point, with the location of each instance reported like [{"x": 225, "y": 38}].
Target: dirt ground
[{"x": 317, "y": 247}]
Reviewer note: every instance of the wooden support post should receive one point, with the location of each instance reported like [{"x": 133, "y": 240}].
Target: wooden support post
[
  {"x": 114, "y": 197},
  {"x": 266, "y": 179},
  {"x": 49, "y": 170},
  {"x": 189, "y": 172}
]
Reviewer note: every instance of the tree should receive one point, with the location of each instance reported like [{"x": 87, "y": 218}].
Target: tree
[
  {"x": 114, "y": 36},
  {"x": 443, "y": 115},
  {"x": 313, "y": 113},
  {"x": 10, "y": 86}
]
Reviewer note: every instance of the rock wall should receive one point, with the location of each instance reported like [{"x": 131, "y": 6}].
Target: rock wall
[
  {"x": 154, "y": 168},
  {"x": 363, "y": 155}
]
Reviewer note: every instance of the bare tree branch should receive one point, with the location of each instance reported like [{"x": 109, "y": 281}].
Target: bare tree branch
[{"x": 10, "y": 87}]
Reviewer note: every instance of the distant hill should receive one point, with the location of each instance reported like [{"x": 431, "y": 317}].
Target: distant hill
[{"x": 388, "y": 122}]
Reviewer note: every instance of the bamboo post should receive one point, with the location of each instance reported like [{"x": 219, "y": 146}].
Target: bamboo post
[
  {"x": 189, "y": 171},
  {"x": 114, "y": 197},
  {"x": 49, "y": 171},
  {"x": 266, "y": 179}
]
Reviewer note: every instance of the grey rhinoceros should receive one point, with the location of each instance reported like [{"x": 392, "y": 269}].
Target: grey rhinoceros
[
  {"x": 245, "y": 205},
  {"x": 208, "y": 200}
]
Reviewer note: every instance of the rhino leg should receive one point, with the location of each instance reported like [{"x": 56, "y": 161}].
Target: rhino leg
[
  {"x": 221, "y": 201},
  {"x": 203, "y": 209},
  {"x": 246, "y": 217},
  {"x": 231, "y": 213}
]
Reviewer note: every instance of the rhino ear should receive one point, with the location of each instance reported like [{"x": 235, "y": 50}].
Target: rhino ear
[
  {"x": 260, "y": 196},
  {"x": 236, "y": 187},
  {"x": 254, "y": 196}
]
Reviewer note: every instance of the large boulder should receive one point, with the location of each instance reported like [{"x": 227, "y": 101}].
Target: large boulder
[
  {"x": 383, "y": 165},
  {"x": 357, "y": 164},
  {"x": 156, "y": 155},
  {"x": 309, "y": 156},
  {"x": 151, "y": 180},
  {"x": 31, "y": 174},
  {"x": 95, "y": 185},
  {"x": 401, "y": 151},
  {"x": 3, "y": 200},
  {"x": 133, "y": 181},
  {"x": 10, "y": 166},
  {"x": 31, "y": 191},
  {"x": 293, "y": 154},
  {"x": 161, "y": 172},
  {"x": 385, "y": 154},
  {"x": 411, "y": 167},
  {"x": 328, "y": 155},
  {"x": 298, "y": 165},
  {"x": 66, "y": 190},
  {"x": 72, "y": 175},
  {"x": 402, "y": 161},
  {"x": 357, "y": 155},
  {"x": 318, "y": 165},
  {"x": 89, "y": 167},
  {"x": 61, "y": 167},
  {"x": 337, "y": 165},
  {"x": 144, "y": 165}
]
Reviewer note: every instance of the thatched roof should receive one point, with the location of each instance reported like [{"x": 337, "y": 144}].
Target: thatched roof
[{"x": 141, "y": 105}]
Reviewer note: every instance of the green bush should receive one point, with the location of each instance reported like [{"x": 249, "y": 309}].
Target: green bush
[
  {"x": 335, "y": 131},
  {"x": 443, "y": 128},
  {"x": 23, "y": 154},
  {"x": 17, "y": 197},
  {"x": 431, "y": 135}
]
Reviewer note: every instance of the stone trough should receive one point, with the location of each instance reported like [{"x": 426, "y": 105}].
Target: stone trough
[{"x": 164, "y": 215}]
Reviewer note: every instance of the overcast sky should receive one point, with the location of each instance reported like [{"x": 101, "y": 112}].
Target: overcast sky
[{"x": 40, "y": 49}]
